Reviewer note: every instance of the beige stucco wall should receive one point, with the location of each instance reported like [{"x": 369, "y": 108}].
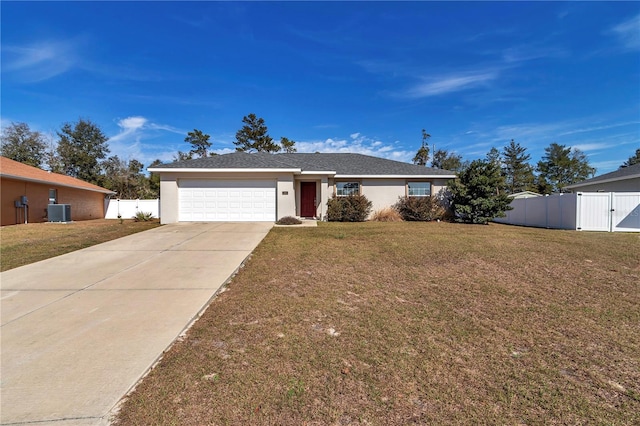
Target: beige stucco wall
[
  {"x": 385, "y": 192},
  {"x": 628, "y": 185},
  {"x": 169, "y": 184}
]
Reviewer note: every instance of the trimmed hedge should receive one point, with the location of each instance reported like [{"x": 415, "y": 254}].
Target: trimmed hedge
[{"x": 354, "y": 208}]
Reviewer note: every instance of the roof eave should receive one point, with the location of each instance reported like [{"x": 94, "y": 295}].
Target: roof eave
[
  {"x": 596, "y": 182},
  {"x": 234, "y": 170},
  {"x": 48, "y": 182},
  {"x": 396, "y": 176}
]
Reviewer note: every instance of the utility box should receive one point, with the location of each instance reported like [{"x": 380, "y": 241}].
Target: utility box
[{"x": 59, "y": 212}]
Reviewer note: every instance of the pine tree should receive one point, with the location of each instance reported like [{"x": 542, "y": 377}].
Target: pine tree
[
  {"x": 443, "y": 159},
  {"x": 199, "y": 143},
  {"x": 561, "y": 166},
  {"x": 634, "y": 159},
  {"x": 516, "y": 169},
  {"x": 422, "y": 156},
  {"x": 288, "y": 146},
  {"x": 253, "y": 136}
]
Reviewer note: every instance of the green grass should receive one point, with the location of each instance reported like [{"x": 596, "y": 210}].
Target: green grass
[
  {"x": 24, "y": 244},
  {"x": 401, "y": 323}
]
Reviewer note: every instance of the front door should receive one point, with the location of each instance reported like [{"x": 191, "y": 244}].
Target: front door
[{"x": 307, "y": 199}]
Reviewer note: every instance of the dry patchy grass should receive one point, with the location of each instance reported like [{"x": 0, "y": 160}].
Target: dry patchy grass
[
  {"x": 24, "y": 244},
  {"x": 412, "y": 323}
]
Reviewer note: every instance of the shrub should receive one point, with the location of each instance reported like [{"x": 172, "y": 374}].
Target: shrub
[
  {"x": 354, "y": 208},
  {"x": 143, "y": 216},
  {"x": 479, "y": 193},
  {"x": 421, "y": 209},
  {"x": 289, "y": 220},
  {"x": 387, "y": 214}
]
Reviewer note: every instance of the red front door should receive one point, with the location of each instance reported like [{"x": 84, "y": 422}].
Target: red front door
[{"x": 307, "y": 199}]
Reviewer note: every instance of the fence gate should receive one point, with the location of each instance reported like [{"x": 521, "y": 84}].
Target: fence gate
[
  {"x": 594, "y": 211},
  {"x": 625, "y": 212}
]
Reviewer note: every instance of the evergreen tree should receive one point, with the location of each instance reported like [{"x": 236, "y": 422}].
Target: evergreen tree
[
  {"x": 182, "y": 156},
  {"x": 478, "y": 195},
  {"x": 253, "y": 136},
  {"x": 516, "y": 169},
  {"x": 443, "y": 159},
  {"x": 560, "y": 166},
  {"x": 199, "y": 143},
  {"x": 80, "y": 148},
  {"x": 288, "y": 146},
  {"x": 493, "y": 156},
  {"x": 422, "y": 156},
  {"x": 21, "y": 144},
  {"x": 634, "y": 159}
]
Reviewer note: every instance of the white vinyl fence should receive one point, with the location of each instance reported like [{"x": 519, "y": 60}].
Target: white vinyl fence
[
  {"x": 126, "y": 209},
  {"x": 583, "y": 211}
]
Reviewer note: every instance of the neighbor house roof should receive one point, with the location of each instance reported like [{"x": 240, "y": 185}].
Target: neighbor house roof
[
  {"x": 338, "y": 164},
  {"x": 623, "y": 173},
  {"x": 524, "y": 194},
  {"x": 15, "y": 170}
]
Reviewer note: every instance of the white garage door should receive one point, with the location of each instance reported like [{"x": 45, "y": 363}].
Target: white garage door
[{"x": 205, "y": 200}]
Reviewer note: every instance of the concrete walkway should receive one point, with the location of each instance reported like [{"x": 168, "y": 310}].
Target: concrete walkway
[{"x": 79, "y": 330}]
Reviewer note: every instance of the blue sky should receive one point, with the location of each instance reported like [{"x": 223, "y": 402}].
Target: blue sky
[{"x": 333, "y": 76}]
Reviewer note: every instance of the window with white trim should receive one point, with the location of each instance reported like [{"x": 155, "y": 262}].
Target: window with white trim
[
  {"x": 344, "y": 189},
  {"x": 419, "y": 189},
  {"x": 53, "y": 196}
]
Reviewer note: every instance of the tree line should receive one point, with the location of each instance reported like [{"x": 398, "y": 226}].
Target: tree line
[
  {"x": 82, "y": 151},
  {"x": 559, "y": 167}
]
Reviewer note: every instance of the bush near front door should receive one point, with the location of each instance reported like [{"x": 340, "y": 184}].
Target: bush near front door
[{"x": 352, "y": 208}]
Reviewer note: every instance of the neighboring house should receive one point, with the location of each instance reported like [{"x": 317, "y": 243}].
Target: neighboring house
[
  {"x": 266, "y": 187},
  {"x": 41, "y": 188},
  {"x": 625, "y": 179},
  {"x": 524, "y": 194}
]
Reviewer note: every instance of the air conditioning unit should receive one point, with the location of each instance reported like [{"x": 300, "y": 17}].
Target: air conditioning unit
[{"x": 59, "y": 212}]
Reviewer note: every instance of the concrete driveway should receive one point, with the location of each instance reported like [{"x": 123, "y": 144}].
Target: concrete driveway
[{"x": 79, "y": 330}]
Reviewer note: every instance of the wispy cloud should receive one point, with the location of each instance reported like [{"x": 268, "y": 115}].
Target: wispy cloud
[
  {"x": 451, "y": 83},
  {"x": 628, "y": 33},
  {"x": 596, "y": 128},
  {"x": 137, "y": 138},
  {"x": 40, "y": 61},
  {"x": 526, "y": 53},
  {"x": 128, "y": 126},
  {"x": 359, "y": 144},
  {"x": 591, "y": 146}
]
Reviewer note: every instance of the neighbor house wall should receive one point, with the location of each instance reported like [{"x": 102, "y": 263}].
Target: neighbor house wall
[
  {"x": 627, "y": 185},
  {"x": 85, "y": 205}
]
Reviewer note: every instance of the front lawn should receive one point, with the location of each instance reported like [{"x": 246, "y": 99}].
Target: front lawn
[
  {"x": 24, "y": 244},
  {"x": 412, "y": 323}
]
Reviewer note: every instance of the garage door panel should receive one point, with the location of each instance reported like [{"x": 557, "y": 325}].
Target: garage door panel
[{"x": 219, "y": 200}]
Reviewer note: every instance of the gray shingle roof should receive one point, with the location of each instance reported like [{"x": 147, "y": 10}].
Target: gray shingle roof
[
  {"x": 620, "y": 174},
  {"x": 341, "y": 163}
]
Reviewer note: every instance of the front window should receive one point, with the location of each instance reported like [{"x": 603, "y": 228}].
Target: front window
[
  {"x": 419, "y": 189},
  {"x": 53, "y": 196},
  {"x": 344, "y": 189}
]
